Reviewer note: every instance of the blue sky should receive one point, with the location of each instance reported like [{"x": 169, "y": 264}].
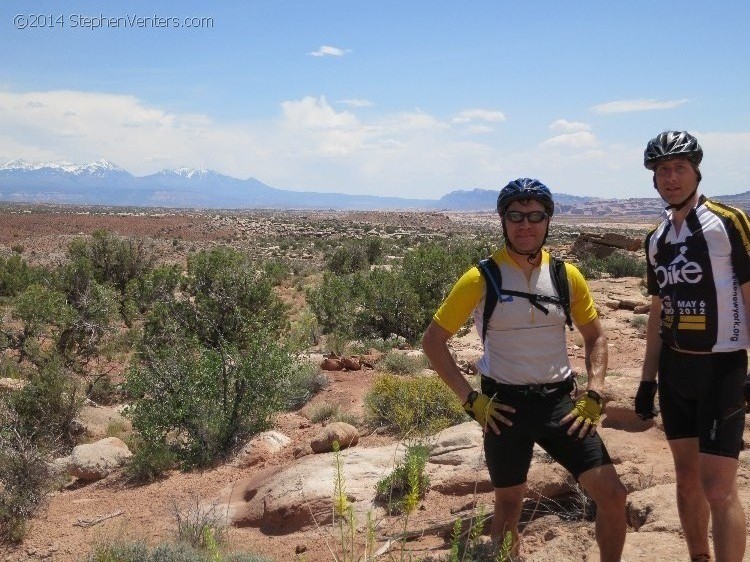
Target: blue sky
[{"x": 408, "y": 98}]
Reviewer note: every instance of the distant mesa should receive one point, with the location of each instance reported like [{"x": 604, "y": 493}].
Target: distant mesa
[{"x": 104, "y": 183}]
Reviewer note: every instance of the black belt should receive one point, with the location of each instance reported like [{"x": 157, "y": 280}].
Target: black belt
[{"x": 535, "y": 390}]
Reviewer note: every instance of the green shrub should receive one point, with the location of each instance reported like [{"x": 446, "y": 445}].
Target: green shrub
[
  {"x": 102, "y": 391},
  {"x": 276, "y": 271},
  {"x": 151, "y": 459},
  {"x": 639, "y": 322},
  {"x": 617, "y": 264},
  {"x": 46, "y": 406},
  {"x": 97, "y": 307},
  {"x": 374, "y": 249},
  {"x": 16, "y": 275},
  {"x": 400, "y": 363},
  {"x": 591, "y": 267},
  {"x": 199, "y": 525},
  {"x": 337, "y": 343},
  {"x": 348, "y": 258},
  {"x": 323, "y": 412},
  {"x": 209, "y": 399},
  {"x": 229, "y": 300},
  {"x": 384, "y": 345},
  {"x": 407, "y": 483},
  {"x": 390, "y": 306},
  {"x": 334, "y": 303},
  {"x": 305, "y": 380},
  {"x": 44, "y": 313},
  {"x": 305, "y": 331},
  {"x": 24, "y": 475},
  {"x": 620, "y": 264},
  {"x": 180, "y": 552},
  {"x": 432, "y": 269},
  {"x": 157, "y": 285},
  {"x": 423, "y": 405},
  {"x": 224, "y": 300},
  {"x": 110, "y": 259}
]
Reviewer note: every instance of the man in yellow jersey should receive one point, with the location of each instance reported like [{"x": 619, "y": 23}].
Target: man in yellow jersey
[
  {"x": 698, "y": 273},
  {"x": 526, "y": 378}
]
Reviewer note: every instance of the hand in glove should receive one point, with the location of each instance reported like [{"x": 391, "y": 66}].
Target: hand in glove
[
  {"x": 486, "y": 411},
  {"x": 644, "y": 399},
  {"x": 746, "y": 391},
  {"x": 585, "y": 414}
]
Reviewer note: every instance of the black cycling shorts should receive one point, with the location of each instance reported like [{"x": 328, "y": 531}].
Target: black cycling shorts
[
  {"x": 536, "y": 420},
  {"x": 700, "y": 395}
]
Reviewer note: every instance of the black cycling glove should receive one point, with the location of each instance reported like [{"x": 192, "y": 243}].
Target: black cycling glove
[
  {"x": 746, "y": 392},
  {"x": 644, "y": 400}
]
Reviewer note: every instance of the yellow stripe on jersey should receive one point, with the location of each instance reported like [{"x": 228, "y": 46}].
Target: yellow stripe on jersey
[
  {"x": 738, "y": 218},
  {"x": 693, "y": 318},
  {"x": 582, "y": 309}
]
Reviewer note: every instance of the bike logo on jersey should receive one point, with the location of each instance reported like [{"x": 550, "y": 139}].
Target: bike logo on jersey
[{"x": 680, "y": 270}]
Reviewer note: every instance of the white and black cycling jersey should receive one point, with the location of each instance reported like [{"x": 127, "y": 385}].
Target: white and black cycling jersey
[{"x": 697, "y": 273}]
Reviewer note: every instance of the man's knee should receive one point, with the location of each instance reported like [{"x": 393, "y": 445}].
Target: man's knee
[
  {"x": 605, "y": 488},
  {"x": 720, "y": 493},
  {"x": 611, "y": 496}
]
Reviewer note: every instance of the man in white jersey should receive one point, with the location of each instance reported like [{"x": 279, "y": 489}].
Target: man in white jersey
[
  {"x": 698, "y": 274},
  {"x": 527, "y": 380}
]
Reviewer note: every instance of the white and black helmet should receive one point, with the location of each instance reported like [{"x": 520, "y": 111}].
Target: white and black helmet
[{"x": 672, "y": 144}]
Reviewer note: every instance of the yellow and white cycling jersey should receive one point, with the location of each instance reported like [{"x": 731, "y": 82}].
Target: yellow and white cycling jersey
[{"x": 523, "y": 345}]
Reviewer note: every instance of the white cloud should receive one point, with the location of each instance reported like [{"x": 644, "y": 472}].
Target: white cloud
[
  {"x": 564, "y": 126},
  {"x": 487, "y": 115},
  {"x": 479, "y": 129},
  {"x": 578, "y": 140},
  {"x": 627, "y": 106},
  {"x": 329, "y": 51},
  {"x": 312, "y": 112},
  {"x": 356, "y": 103},
  {"x": 311, "y": 144}
]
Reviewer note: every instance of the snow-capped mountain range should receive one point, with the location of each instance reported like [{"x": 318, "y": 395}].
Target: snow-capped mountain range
[
  {"x": 105, "y": 183},
  {"x": 99, "y": 168}
]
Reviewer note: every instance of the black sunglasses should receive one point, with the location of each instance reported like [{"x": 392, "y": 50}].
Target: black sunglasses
[{"x": 518, "y": 216}]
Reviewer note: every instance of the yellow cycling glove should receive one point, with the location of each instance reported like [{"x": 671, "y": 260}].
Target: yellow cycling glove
[
  {"x": 481, "y": 407},
  {"x": 589, "y": 408}
]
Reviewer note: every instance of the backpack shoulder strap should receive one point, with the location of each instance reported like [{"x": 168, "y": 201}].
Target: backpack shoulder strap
[
  {"x": 493, "y": 281},
  {"x": 560, "y": 283}
]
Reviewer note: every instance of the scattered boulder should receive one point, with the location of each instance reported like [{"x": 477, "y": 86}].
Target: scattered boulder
[
  {"x": 346, "y": 435},
  {"x": 261, "y": 447},
  {"x": 94, "y": 461},
  {"x": 603, "y": 245},
  {"x": 332, "y": 364},
  {"x": 299, "y": 497},
  {"x": 351, "y": 363},
  {"x": 654, "y": 509}
]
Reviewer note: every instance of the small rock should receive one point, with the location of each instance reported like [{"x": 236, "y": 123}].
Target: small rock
[{"x": 347, "y": 436}]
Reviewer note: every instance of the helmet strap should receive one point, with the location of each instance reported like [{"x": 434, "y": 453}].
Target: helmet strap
[{"x": 685, "y": 201}]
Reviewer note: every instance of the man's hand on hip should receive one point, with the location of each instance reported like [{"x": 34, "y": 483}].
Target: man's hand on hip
[
  {"x": 585, "y": 415},
  {"x": 487, "y": 411}
]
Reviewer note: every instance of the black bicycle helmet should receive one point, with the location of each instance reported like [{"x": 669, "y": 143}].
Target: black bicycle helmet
[
  {"x": 672, "y": 144},
  {"x": 525, "y": 188}
]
